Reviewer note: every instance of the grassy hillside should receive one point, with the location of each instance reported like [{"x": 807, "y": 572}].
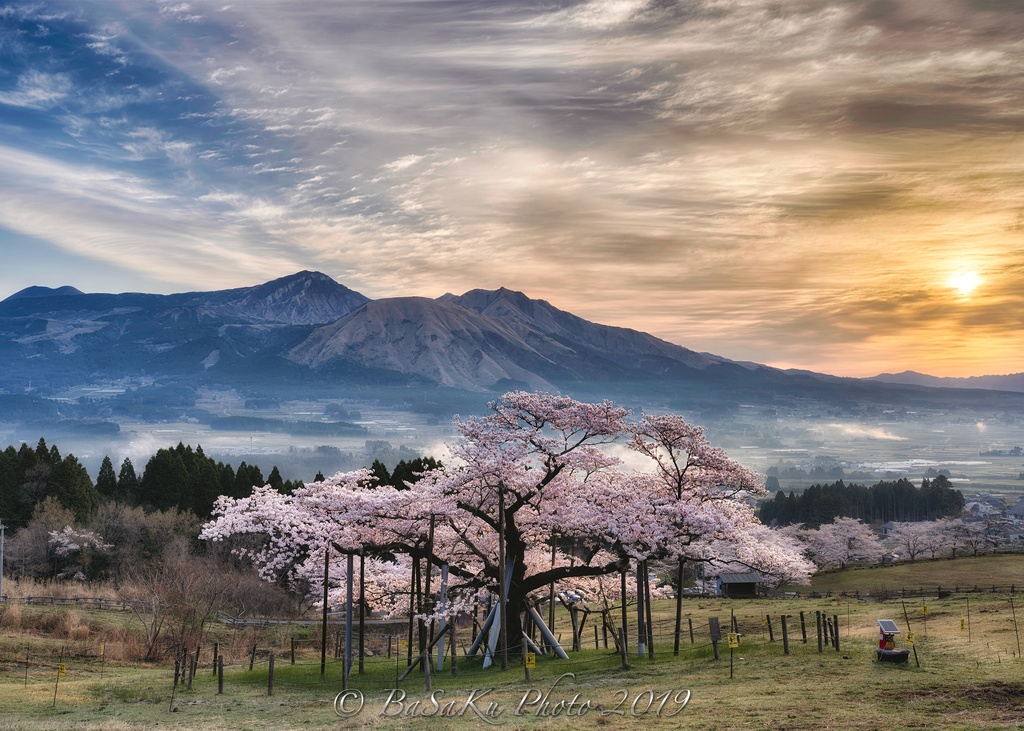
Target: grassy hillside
[
  {"x": 970, "y": 676},
  {"x": 963, "y": 573}
]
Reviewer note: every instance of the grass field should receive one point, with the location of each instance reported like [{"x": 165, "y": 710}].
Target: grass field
[
  {"x": 970, "y": 677},
  {"x": 964, "y": 573}
]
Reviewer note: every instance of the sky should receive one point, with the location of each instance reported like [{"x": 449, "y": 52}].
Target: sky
[{"x": 833, "y": 185}]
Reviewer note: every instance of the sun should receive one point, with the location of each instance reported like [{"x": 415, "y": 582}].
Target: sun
[{"x": 964, "y": 282}]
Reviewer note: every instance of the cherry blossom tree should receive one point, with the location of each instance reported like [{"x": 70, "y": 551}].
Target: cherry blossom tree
[
  {"x": 531, "y": 499},
  {"x": 702, "y": 483},
  {"x": 916, "y": 538},
  {"x": 775, "y": 554},
  {"x": 842, "y": 541},
  {"x": 974, "y": 536},
  {"x": 77, "y": 551}
]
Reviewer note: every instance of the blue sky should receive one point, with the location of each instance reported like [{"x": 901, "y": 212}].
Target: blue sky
[{"x": 806, "y": 183}]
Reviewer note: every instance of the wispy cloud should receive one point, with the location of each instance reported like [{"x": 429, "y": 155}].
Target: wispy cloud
[{"x": 37, "y": 90}]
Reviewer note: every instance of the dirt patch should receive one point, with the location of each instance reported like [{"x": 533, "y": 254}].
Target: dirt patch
[{"x": 996, "y": 696}]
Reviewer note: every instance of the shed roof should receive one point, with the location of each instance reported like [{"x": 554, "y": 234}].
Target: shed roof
[{"x": 749, "y": 578}]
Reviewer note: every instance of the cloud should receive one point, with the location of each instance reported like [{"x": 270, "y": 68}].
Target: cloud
[
  {"x": 786, "y": 182},
  {"x": 37, "y": 90}
]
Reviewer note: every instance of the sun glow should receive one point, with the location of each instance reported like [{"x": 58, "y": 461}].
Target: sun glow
[{"x": 964, "y": 282}]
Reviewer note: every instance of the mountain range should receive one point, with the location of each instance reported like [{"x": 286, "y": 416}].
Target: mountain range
[
  {"x": 1008, "y": 382},
  {"x": 307, "y": 332}
]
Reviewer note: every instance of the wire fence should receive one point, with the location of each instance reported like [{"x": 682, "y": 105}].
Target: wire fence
[{"x": 303, "y": 664}]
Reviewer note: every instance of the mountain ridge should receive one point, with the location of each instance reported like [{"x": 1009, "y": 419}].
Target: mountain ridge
[
  {"x": 307, "y": 331},
  {"x": 1000, "y": 382}
]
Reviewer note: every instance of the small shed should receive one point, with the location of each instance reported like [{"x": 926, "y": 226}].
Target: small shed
[{"x": 739, "y": 586}]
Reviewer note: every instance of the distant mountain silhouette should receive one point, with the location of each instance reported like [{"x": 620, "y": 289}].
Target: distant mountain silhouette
[
  {"x": 307, "y": 334},
  {"x": 1009, "y": 382},
  {"x": 43, "y": 292}
]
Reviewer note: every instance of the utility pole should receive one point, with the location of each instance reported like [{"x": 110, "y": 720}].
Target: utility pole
[{"x": 2, "y": 529}]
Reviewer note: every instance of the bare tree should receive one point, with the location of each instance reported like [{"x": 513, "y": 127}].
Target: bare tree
[{"x": 175, "y": 598}]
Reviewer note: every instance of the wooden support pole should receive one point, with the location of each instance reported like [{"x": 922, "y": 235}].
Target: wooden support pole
[
  {"x": 323, "y": 628},
  {"x": 455, "y": 657},
  {"x": 270, "y": 675},
  {"x": 835, "y": 631},
  {"x": 412, "y": 608},
  {"x": 785, "y": 636},
  {"x": 424, "y": 657},
  {"x": 650, "y": 619},
  {"x": 679, "y": 607},
  {"x": 803, "y": 627},
  {"x": 641, "y": 614},
  {"x": 551, "y": 592},
  {"x": 349, "y": 599},
  {"x": 624, "y": 633},
  {"x": 771, "y": 630},
  {"x": 220, "y": 675},
  {"x": 362, "y": 609}
]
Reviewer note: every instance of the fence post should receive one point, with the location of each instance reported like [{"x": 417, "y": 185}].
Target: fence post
[
  {"x": 252, "y": 658},
  {"x": 771, "y": 631},
  {"x": 455, "y": 656},
  {"x": 216, "y": 654},
  {"x": 270, "y": 675},
  {"x": 689, "y": 621},
  {"x": 785, "y": 636},
  {"x": 803, "y": 627},
  {"x": 817, "y": 622},
  {"x": 716, "y": 635},
  {"x": 220, "y": 675},
  {"x": 835, "y": 630}
]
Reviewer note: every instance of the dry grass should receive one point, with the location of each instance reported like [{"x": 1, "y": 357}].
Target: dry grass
[{"x": 23, "y": 588}]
